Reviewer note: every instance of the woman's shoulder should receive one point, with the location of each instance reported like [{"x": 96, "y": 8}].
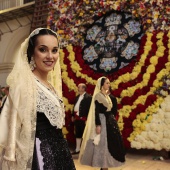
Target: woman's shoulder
[{"x": 99, "y": 97}]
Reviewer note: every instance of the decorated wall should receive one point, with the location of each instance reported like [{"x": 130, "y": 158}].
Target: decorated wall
[{"x": 129, "y": 42}]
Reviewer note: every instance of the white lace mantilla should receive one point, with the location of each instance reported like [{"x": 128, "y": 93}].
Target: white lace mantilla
[{"x": 51, "y": 105}]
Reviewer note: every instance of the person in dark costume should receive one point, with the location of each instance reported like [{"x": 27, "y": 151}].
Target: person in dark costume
[
  {"x": 33, "y": 115},
  {"x": 102, "y": 144},
  {"x": 79, "y": 114}
]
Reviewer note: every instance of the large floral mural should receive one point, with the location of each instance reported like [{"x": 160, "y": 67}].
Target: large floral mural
[{"x": 140, "y": 84}]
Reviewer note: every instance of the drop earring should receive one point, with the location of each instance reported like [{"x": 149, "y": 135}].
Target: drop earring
[{"x": 32, "y": 64}]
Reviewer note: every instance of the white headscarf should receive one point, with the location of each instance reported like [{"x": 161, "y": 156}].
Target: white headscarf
[
  {"x": 90, "y": 129},
  {"x": 20, "y": 111}
]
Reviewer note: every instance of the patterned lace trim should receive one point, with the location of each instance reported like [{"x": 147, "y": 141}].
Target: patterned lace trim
[{"x": 54, "y": 113}]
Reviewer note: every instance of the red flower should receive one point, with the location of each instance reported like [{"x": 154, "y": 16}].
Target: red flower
[
  {"x": 139, "y": 77},
  {"x": 137, "y": 92},
  {"x": 124, "y": 85},
  {"x": 143, "y": 70},
  {"x": 70, "y": 128},
  {"x": 71, "y": 97},
  {"x": 150, "y": 100},
  {"x": 147, "y": 60},
  {"x": 126, "y": 133},
  {"x": 152, "y": 78},
  {"x": 132, "y": 116},
  {"x": 145, "y": 89},
  {"x": 126, "y": 101},
  {"x": 133, "y": 98},
  {"x": 139, "y": 108},
  {"x": 117, "y": 92},
  {"x": 128, "y": 123},
  {"x": 119, "y": 106}
]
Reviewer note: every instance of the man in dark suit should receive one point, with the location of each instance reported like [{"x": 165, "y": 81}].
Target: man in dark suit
[{"x": 79, "y": 114}]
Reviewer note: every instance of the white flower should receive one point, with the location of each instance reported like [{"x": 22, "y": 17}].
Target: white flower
[
  {"x": 136, "y": 145},
  {"x": 168, "y": 82},
  {"x": 164, "y": 93},
  {"x": 166, "y": 144},
  {"x": 167, "y": 134},
  {"x": 153, "y": 137},
  {"x": 158, "y": 146},
  {"x": 150, "y": 145}
]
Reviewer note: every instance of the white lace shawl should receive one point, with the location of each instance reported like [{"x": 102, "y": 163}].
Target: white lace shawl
[{"x": 51, "y": 105}]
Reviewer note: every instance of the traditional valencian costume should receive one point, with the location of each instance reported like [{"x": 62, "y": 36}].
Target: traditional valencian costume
[
  {"x": 105, "y": 149},
  {"x": 32, "y": 119}
]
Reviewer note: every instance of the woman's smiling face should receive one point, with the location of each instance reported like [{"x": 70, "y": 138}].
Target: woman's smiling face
[{"x": 46, "y": 53}]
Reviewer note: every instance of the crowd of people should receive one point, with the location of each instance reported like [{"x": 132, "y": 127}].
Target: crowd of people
[{"x": 33, "y": 115}]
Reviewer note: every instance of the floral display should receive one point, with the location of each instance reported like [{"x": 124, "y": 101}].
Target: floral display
[
  {"x": 134, "y": 85},
  {"x": 71, "y": 17},
  {"x": 137, "y": 85},
  {"x": 156, "y": 135}
]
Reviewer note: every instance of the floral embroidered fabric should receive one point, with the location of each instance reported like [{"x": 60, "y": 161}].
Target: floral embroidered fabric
[{"x": 54, "y": 151}]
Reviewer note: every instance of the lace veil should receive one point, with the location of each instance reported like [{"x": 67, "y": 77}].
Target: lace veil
[{"x": 90, "y": 129}]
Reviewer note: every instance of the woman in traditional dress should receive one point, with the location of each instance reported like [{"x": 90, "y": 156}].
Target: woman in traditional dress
[
  {"x": 102, "y": 144},
  {"x": 33, "y": 116}
]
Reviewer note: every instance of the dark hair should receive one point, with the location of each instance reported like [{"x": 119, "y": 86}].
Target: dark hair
[
  {"x": 32, "y": 41},
  {"x": 102, "y": 82}
]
